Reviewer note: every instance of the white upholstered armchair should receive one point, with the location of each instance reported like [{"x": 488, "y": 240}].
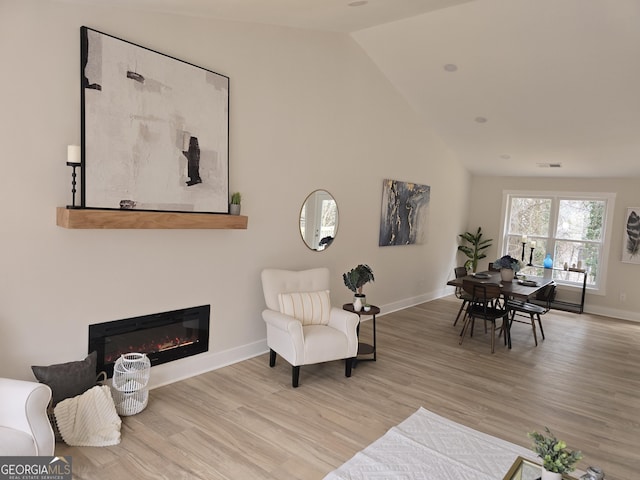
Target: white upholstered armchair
[
  {"x": 302, "y": 327},
  {"x": 24, "y": 425}
]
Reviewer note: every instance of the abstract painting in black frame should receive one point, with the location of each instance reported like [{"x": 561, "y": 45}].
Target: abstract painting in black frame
[
  {"x": 404, "y": 211},
  {"x": 155, "y": 129}
]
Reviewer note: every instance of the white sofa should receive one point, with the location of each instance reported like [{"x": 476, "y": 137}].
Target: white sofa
[{"x": 24, "y": 425}]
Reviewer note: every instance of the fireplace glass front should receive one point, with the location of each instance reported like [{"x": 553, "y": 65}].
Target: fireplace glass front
[{"x": 164, "y": 337}]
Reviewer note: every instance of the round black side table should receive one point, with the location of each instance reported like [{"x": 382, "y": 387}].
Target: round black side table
[{"x": 365, "y": 348}]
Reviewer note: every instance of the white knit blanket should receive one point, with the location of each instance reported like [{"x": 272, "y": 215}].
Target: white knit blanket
[
  {"x": 427, "y": 446},
  {"x": 90, "y": 419}
]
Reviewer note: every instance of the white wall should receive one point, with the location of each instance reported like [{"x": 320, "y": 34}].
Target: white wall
[
  {"x": 485, "y": 210},
  {"x": 308, "y": 110}
]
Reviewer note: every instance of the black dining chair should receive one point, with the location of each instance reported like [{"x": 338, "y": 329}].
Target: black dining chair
[
  {"x": 460, "y": 272},
  {"x": 527, "y": 308},
  {"x": 483, "y": 304}
]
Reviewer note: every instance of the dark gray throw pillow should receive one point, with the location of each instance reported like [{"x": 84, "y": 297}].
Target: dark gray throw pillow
[{"x": 68, "y": 379}]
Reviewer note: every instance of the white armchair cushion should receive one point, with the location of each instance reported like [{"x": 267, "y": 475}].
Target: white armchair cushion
[
  {"x": 311, "y": 308},
  {"x": 15, "y": 442}
]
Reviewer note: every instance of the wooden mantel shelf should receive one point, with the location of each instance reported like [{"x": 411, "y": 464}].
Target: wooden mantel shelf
[{"x": 135, "y": 219}]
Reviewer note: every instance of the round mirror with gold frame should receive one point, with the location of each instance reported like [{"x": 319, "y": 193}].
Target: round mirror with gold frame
[{"x": 319, "y": 220}]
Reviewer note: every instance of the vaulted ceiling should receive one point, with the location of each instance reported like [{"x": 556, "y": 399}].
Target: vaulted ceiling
[{"x": 514, "y": 87}]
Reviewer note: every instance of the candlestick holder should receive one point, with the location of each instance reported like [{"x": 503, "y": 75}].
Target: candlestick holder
[
  {"x": 523, "y": 244},
  {"x": 74, "y": 165},
  {"x": 531, "y": 257}
]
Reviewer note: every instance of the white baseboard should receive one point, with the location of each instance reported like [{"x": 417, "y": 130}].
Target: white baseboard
[
  {"x": 613, "y": 312},
  {"x": 205, "y": 362},
  {"x": 191, "y": 366}
]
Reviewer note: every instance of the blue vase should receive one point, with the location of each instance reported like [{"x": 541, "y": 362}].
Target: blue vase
[{"x": 548, "y": 261}]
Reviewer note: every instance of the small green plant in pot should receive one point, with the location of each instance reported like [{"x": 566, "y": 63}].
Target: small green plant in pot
[
  {"x": 356, "y": 278},
  {"x": 234, "y": 206},
  {"x": 556, "y": 458},
  {"x": 474, "y": 251}
]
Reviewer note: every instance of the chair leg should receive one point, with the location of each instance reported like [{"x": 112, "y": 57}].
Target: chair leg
[
  {"x": 464, "y": 302},
  {"x": 348, "y": 363},
  {"x": 467, "y": 320},
  {"x": 464, "y": 318},
  {"x": 295, "y": 376},
  {"x": 540, "y": 325},
  {"x": 533, "y": 327},
  {"x": 493, "y": 336},
  {"x": 272, "y": 358}
]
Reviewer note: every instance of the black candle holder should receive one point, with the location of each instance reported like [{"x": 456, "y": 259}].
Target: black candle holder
[
  {"x": 523, "y": 244},
  {"x": 74, "y": 165},
  {"x": 531, "y": 257}
]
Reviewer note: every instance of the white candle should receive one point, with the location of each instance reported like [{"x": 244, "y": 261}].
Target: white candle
[
  {"x": 533, "y": 244},
  {"x": 524, "y": 239},
  {"x": 73, "y": 153}
]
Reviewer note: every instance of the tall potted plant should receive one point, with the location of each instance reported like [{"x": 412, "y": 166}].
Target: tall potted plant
[
  {"x": 355, "y": 279},
  {"x": 474, "y": 251},
  {"x": 556, "y": 458}
]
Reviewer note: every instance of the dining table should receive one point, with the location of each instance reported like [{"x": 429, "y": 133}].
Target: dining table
[{"x": 520, "y": 288}]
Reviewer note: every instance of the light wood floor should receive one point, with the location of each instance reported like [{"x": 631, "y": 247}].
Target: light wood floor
[{"x": 246, "y": 422}]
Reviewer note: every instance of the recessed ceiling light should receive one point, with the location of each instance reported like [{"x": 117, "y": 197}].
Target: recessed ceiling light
[
  {"x": 451, "y": 67},
  {"x": 481, "y": 119},
  {"x": 359, "y": 3}
]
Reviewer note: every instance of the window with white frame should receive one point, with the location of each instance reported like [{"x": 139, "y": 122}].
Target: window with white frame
[{"x": 574, "y": 228}]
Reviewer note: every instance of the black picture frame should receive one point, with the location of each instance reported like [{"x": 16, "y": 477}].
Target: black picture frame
[
  {"x": 154, "y": 129},
  {"x": 403, "y": 216}
]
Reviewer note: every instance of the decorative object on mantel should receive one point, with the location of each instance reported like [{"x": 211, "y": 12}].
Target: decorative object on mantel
[
  {"x": 404, "y": 211},
  {"x": 477, "y": 252},
  {"x": 508, "y": 266},
  {"x": 556, "y": 458},
  {"x": 631, "y": 237},
  {"x": 74, "y": 161},
  {"x": 155, "y": 129},
  {"x": 354, "y": 280},
  {"x": 234, "y": 206},
  {"x": 548, "y": 261}
]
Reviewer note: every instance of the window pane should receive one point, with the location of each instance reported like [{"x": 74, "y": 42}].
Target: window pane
[
  {"x": 530, "y": 216},
  {"x": 580, "y": 255},
  {"x": 514, "y": 248},
  {"x": 580, "y": 219},
  {"x": 576, "y": 237}
]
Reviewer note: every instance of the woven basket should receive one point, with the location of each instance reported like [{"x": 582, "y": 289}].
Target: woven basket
[
  {"x": 129, "y": 384},
  {"x": 130, "y": 403}
]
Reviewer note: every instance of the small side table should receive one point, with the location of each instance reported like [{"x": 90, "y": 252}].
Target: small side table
[{"x": 365, "y": 348}]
